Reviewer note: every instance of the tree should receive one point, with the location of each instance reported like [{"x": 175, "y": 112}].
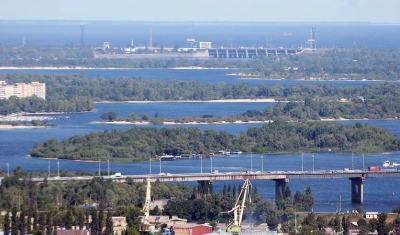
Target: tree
[
  {"x": 14, "y": 221},
  {"x": 112, "y": 116},
  {"x": 109, "y": 224},
  {"x": 94, "y": 225},
  {"x": 6, "y": 224},
  {"x": 22, "y": 222},
  {"x": 68, "y": 220},
  {"x": 382, "y": 230}
]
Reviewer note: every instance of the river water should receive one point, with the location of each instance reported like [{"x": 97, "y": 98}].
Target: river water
[{"x": 380, "y": 194}]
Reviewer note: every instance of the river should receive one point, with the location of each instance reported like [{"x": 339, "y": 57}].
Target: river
[{"x": 380, "y": 194}]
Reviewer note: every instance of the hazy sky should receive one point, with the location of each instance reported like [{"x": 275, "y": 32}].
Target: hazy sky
[{"x": 204, "y": 10}]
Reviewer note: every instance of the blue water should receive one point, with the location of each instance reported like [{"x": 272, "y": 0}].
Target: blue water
[
  {"x": 120, "y": 35},
  {"x": 15, "y": 145},
  {"x": 212, "y": 76}
]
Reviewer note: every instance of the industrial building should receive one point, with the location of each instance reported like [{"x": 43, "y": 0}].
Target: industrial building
[{"x": 22, "y": 90}]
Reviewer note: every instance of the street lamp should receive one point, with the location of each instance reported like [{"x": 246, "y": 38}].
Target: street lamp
[
  {"x": 363, "y": 161},
  {"x": 108, "y": 167},
  {"x": 312, "y": 162},
  {"x": 160, "y": 165},
  {"x": 58, "y": 168},
  {"x": 262, "y": 163},
  {"x": 211, "y": 164},
  {"x": 302, "y": 161},
  {"x": 201, "y": 164},
  {"x": 48, "y": 168},
  {"x": 251, "y": 162},
  {"x": 8, "y": 169},
  {"x": 99, "y": 167}
]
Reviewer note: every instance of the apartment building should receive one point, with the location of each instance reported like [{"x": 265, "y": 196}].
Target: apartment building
[{"x": 22, "y": 90}]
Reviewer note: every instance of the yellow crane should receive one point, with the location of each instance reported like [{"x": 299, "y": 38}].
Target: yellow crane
[
  {"x": 235, "y": 227},
  {"x": 145, "y": 226}
]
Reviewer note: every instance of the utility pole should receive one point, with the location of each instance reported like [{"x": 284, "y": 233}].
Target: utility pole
[
  {"x": 211, "y": 164},
  {"x": 313, "y": 163},
  {"x": 108, "y": 167},
  {"x": 363, "y": 161},
  {"x": 201, "y": 164},
  {"x": 160, "y": 165},
  {"x": 251, "y": 162}
]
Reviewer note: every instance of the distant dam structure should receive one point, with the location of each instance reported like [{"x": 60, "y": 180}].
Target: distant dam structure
[{"x": 251, "y": 52}]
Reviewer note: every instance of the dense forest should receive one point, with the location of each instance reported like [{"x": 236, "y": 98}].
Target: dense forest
[
  {"x": 138, "y": 144},
  {"x": 53, "y": 204},
  {"x": 41, "y": 209},
  {"x": 76, "y": 93}
]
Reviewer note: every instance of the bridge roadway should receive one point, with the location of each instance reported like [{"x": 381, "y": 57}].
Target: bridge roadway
[{"x": 357, "y": 178}]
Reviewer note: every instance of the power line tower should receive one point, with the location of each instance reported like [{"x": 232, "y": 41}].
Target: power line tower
[
  {"x": 82, "y": 34},
  {"x": 151, "y": 38},
  {"x": 311, "y": 41}
]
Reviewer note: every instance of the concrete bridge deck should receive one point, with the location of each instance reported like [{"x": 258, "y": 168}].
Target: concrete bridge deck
[{"x": 357, "y": 178}]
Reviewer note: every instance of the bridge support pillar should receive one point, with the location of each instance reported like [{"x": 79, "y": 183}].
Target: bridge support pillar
[
  {"x": 237, "y": 53},
  {"x": 357, "y": 190},
  {"x": 227, "y": 53},
  {"x": 280, "y": 185},
  {"x": 247, "y": 53}
]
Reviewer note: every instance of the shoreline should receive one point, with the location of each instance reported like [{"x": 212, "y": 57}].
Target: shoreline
[
  {"x": 195, "y": 101},
  {"x": 102, "y": 68},
  {"x": 9, "y": 127}
]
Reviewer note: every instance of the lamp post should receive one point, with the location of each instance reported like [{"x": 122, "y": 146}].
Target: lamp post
[
  {"x": 150, "y": 164},
  {"x": 363, "y": 161},
  {"x": 108, "y": 167},
  {"x": 302, "y": 161},
  {"x": 211, "y": 164},
  {"x": 251, "y": 162},
  {"x": 160, "y": 165},
  {"x": 352, "y": 160},
  {"x": 201, "y": 164},
  {"x": 58, "y": 168},
  {"x": 8, "y": 169},
  {"x": 48, "y": 168},
  {"x": 262, "y": 163},
  {"x": 99, "y": 167},
  {"x": 313, "y": 163}
]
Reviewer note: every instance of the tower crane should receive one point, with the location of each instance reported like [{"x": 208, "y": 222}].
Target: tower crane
[
  {"x": 235, "y": 227},
  {"x": 145, "y": 226}
]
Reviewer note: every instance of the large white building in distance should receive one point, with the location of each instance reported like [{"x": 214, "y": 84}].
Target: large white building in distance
[{"x": 22, "y": 90}]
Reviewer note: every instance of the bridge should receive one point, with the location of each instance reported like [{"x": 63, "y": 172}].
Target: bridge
[
  {"x": 251, "y": 52},
  {"x": 281, "y": 178}
]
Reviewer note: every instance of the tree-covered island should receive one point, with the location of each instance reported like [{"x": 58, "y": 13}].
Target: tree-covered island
[
  {"x": 138, "y": 144},
  {"x": 77, "y": 93}
]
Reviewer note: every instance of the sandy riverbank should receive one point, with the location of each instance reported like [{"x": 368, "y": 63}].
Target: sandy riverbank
[
  {"x": 175, "y": 123},
  {"x": 199, "y": 101},
  {"x": 5, "y": 127}
]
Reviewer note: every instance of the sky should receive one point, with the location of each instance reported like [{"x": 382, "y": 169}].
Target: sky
[{"x": 377, "y": 11}]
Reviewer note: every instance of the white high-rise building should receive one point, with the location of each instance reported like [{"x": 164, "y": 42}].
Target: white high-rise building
[{"x": 22, "y": 90}]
